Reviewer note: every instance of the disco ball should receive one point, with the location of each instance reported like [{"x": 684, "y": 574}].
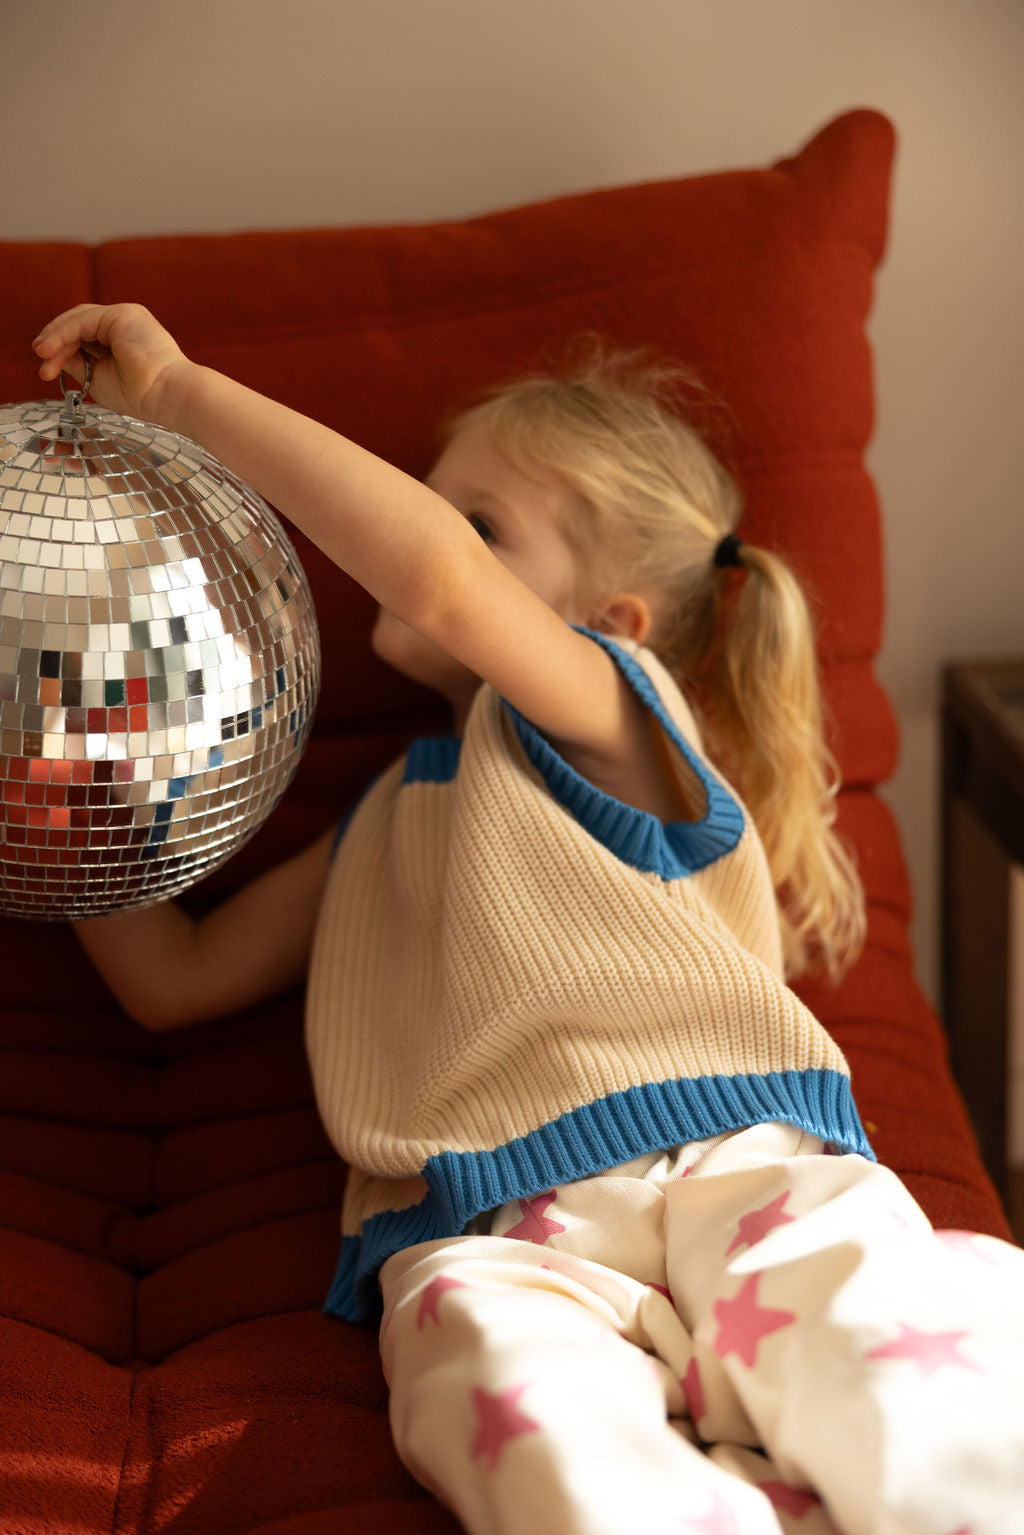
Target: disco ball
[{"x": 159, "y": 661}]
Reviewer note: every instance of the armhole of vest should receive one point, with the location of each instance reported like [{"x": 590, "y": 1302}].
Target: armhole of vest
[
  {"x": 636, "y": 837},
  {"x": 346, "y": 820},
  {"x": 427, "y": 759},
  {"x": 342, "y": 828}
]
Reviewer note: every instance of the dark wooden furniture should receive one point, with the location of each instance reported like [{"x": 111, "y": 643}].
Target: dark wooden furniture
[{"x": 982, "y": 836}]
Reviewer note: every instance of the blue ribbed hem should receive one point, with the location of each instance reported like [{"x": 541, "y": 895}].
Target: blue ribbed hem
[
  {"x": 354, "y": 1295},
  {"x": 341, "y": 1297},
  {"x": 589, "y": 1140},
  {"x": 625, "y": 1125},
  {"x": 670, "y": 849}
]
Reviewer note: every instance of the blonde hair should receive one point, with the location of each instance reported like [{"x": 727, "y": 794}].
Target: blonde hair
[{"x": 651, "y": 503}]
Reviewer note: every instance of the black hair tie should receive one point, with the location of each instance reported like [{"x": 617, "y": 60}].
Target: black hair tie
[{"x": 727, "y": 552}]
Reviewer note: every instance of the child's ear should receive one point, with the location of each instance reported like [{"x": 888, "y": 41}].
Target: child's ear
[{"x": 626, "y": 614}]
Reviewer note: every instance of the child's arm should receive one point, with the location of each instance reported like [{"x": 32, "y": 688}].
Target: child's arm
[
  {"x": 418, "y": 556},
  {"x": 168, "y": 970}
]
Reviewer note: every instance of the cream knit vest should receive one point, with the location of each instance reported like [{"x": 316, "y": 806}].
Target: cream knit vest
[{"x": 518, "y": 981}]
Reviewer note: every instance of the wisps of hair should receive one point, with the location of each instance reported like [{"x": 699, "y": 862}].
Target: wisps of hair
[{"x": 651, "y": 502}]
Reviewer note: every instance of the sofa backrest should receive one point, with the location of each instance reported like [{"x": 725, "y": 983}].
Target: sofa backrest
[{"x": 760, "y": 280}]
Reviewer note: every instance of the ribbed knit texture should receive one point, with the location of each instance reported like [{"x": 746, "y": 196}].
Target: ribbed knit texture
[{"x": 518, "y": 980}]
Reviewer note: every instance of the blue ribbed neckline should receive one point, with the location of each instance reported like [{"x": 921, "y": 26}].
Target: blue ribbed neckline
[{"x": 670, "y": 849}]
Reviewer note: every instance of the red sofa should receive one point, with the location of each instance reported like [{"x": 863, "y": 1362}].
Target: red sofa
[{"x": 169, "y": 1204}]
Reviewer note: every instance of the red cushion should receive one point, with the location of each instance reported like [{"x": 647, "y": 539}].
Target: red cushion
[
  {"x": 169, "y": 1205},
  {"x": 760, "y": 280}
]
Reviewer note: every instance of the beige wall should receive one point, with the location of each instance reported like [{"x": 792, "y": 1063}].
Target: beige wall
[{"x": 126, "y": 117}]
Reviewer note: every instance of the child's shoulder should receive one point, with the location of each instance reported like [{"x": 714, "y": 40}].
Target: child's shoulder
[{"x": 660, "y": 768}]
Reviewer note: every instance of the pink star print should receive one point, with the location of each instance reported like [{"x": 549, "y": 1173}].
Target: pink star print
[
  {"x": 535, "y": 1226},
  {"x": 759, "y": 1222},
  {"x": 931, "y": 1350},
  {"x": 742, "y": 1323},
  {"x": 693, "y": 1390},
  {"x": 431, "y": 1295},
  {"x": 791, "y": 1500},
  {"x": 963, "y": 1241},
  {"x": 719, "y": 1520},
  {"x": 498, "y": 1421}
]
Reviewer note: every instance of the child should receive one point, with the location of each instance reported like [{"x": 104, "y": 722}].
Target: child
[{"x": 639, "y": 1267}]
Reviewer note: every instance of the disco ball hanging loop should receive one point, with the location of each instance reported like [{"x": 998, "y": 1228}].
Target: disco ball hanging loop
[
  {"x": 159, "y": 660},
  {"x": 72, "y": 417}
]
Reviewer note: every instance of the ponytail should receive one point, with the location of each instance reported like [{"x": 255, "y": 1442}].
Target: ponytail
[
  {"x": 652, "y": 510},
  {"x": 765, "y": 716}
]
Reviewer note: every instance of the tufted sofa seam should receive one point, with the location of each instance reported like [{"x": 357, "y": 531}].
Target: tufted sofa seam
[{"x": 115, "y": 1523}]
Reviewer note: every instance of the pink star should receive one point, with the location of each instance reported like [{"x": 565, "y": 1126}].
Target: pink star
[
  {"x": 931, "y": 1350},
  {"x": 791, "y": 1500},
  {"x": 693, "y": 1390},
  {"x": 498, "y": 1421},
  {"x": 959, "y": 1241},
  {"x": 742, "y": 1323},
  {"x": 662, "y": 1289},
  {"x": 719, "y": 1520},
  {"x": 535, "y": 1225},
  {"x": 963, "y": 1241},
  {"x": 758, "y": 1223},
  {"x": 431, "y": 1295}
]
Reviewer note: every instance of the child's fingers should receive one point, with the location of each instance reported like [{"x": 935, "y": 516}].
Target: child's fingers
[
  {"x": 132, "y": 350},
  {"x": 67, "y": 331},
  {"x": 100, "y": 323},
  {"x": 72, "y": 362},
  {"x": 60, "y": 342},
  {"x": 66, "y": 362}
]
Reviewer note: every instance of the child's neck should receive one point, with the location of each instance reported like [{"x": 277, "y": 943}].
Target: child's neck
[{"x": 460, "y": 703}]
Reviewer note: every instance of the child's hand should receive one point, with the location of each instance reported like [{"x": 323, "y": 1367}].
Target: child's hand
[{"x": 135, "y": 361}]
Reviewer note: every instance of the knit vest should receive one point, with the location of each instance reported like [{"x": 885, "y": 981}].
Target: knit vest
[{"x": 518, "y": 981}]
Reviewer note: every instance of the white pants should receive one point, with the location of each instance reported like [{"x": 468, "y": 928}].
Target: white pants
[{"x": 740, "y": 1337}]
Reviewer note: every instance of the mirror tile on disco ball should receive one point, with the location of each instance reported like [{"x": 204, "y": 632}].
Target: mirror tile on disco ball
[{"x": 159, "y": 662}]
